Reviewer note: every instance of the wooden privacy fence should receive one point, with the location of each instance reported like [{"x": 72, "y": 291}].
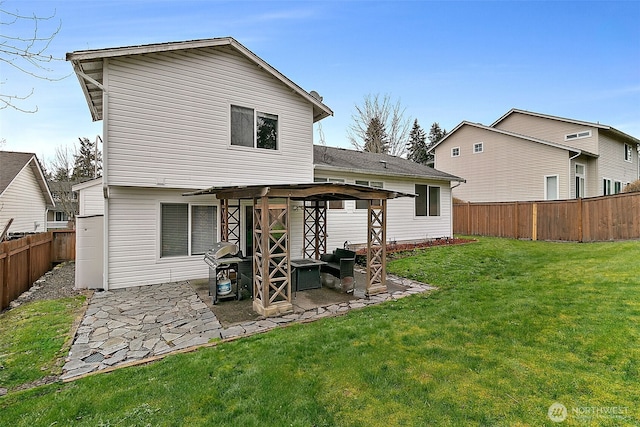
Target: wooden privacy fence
[
  {"x": 594, "y": 219},
  {"x": 23, "y": 261}
]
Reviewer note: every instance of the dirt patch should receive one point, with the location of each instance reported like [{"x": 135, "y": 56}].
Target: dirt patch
[{"x": 56, "y": 283}]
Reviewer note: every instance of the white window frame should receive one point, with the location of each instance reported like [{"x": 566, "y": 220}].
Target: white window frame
[
  {"x": 374, "y": 184},
  {"x": 617, "y": 186},
  {"x": 578, "y": 135},
  {"x": 546, "y": 195},
  {"x": 455, "y": 152},
  {"x": 256, "y": 112},
  {"x": 607, "y": 186},
  {"x": 582, "y": 177},
  {"x": 478, "y": 147},
  {"x": 189, "y": 228},
  {"x": 628, "y": 153}
]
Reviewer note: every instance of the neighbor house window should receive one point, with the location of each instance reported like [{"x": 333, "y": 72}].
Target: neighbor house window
[
  {"x": 580, "y": 180},
  {"x": 627, "y": 153},
  {"x": 551, "y": 187},
  {"x": 428, "y": 200},
  {"x": 250, "y": 128},
  {"x": 455, "y": 152},
  {"x": 617, "y": 187},
  {"x": 180, "y": 236},
  {"x": 577, "y": 135},
  {"x": 606, "y": 186},
  {"x": 61, "y": 216},
  {"x": 363, "y": 204},
  {"x": 478, "y": 147}
]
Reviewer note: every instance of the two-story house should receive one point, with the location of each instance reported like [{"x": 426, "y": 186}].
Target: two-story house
[
  {"x": 184, "y": 117},
  {"x": 531, "y": 156}
]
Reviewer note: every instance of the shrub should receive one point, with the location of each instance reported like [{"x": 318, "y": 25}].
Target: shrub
[{"x": 634, "y": 187}]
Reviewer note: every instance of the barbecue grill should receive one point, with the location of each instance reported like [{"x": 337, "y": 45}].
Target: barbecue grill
[{"x": 224, "y": 275}]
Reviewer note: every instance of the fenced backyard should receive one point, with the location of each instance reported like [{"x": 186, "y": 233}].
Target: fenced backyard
[
  {"x": 594, "y": 219},
  {"x": 24, "y": 260}
]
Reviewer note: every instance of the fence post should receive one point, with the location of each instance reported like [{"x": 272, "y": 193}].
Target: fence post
[
  {"x": 468, "y": 218},
  {"x": 515, "y": 221},
  {"x": 5, "y": 277},
  {"x": 580, "y": 225},
  {"x": 534, "y": 222}
]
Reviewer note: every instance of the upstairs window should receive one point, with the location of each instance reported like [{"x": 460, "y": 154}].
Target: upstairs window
[
  {"x": 577, "y": 135},
  {"x": 250, "y": 128},
  {"x": 478, "y": 147},
  {"x": 627, "y": 153},
  {"x": 455, "y": 152}
]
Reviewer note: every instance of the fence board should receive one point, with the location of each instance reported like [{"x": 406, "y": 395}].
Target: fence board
[
  {"x": 23, "y": 261},
  {"x": 602, "y": 218}
]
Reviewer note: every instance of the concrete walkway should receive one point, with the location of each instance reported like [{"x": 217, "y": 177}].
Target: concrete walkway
[{"x": 129, "y": 325}]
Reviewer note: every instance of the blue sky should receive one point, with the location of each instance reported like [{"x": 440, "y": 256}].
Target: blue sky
[{"x": 445, "y": 61}]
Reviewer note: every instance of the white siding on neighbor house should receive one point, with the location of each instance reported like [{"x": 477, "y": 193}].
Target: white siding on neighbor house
[
  {"x": 23, "y": 201},
  {"x": 91, "y": 200},
  {"x": 168, "y": 120},
  {"x": 350, "y": 224},
  {"x": 508, "y": 169},
  {"x": 612, "y": 164},
  {"x": 550, "y": 130}
]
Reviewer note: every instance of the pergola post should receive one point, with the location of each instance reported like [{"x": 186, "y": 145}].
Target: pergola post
[
  {"x": 272, "y": 268},
  {"x": 230, "y": 222},
  {"x": 315, "y": 229},
  {"x": 376, "y": 248}
]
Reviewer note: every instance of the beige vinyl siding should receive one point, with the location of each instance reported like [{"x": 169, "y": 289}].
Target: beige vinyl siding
[
  {"x": 550, "y": 130},
  {"x": 91, "y": 200},
  {"x": 612, "y": 164},
  {"x": 350, "y": 224},
  {"x": 168, "y": 122},
  {"x": 508, "y": 169},
  {"x": 591, "y": 176},
  {"x": 23, "y": 201}
]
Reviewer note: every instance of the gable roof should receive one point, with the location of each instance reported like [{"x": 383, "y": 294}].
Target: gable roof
[
  {"x": 566, "y": 120},
  {"x": 512, "y": 134},
  {"x": 88, "y": 66},
  {"x": 12, "y": 163},
  {"x": 343, "y": 160}
]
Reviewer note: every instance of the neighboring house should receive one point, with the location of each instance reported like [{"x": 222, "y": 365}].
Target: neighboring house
[
  {"x": 185, "y": 116},
  {"x": 24, "y": 193},
  {"x": 426, "y": 216},
  {"x": 66, "y": 208},
  {"x": 533, "y": 156}
]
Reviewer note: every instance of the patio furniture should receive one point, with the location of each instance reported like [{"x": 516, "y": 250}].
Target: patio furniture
[
  {"x": 340, "y": 264},
  {"x": 306, "y": 274}
]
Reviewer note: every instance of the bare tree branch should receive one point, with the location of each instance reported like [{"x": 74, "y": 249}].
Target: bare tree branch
[
  {"x": 390, "y": 115},
  {"x": 26, "y": 53}
]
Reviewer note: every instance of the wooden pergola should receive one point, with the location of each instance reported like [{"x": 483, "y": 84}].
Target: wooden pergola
[{"x": 271, "y": 230}]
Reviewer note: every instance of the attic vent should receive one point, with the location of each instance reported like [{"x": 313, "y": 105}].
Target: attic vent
[
  {"x": 384, "y": 163},
  {"x": 315, "y": 95}
]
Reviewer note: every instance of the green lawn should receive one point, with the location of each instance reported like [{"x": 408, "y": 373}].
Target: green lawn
[{"x": 515, "y": 327}]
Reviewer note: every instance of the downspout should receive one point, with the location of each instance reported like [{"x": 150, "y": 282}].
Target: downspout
[{"x": 451, "y": 206}]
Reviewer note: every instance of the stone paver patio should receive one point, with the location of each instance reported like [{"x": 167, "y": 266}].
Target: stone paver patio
[{"x": 125, "y": 326}]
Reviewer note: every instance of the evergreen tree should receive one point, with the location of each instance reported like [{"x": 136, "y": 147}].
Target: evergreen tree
[
  {"x": 86, "y": 160},
  {"x": 417, "y": 145},
  {"x": 436, "y": 134},
  {"x": 375, "y": 138}
]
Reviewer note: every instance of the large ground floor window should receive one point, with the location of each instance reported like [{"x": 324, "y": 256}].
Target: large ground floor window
[
  {"x": 187, "y": 229},
  {"x": 428, "y": 200}
]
